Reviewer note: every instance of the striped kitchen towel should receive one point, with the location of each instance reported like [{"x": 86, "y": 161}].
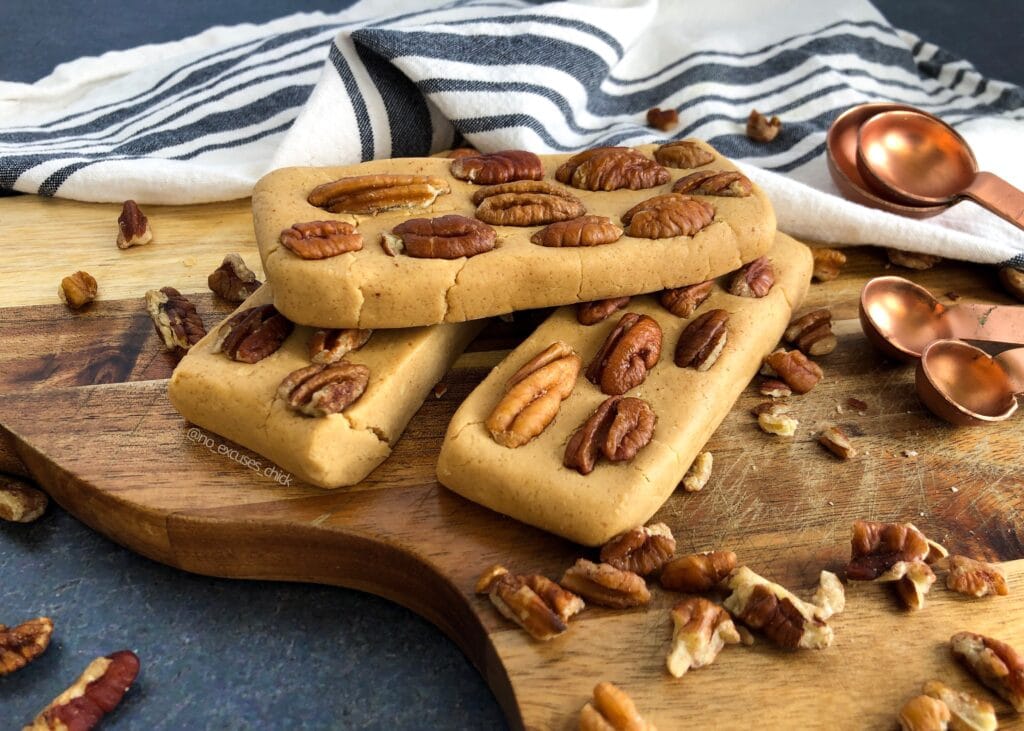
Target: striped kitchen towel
[{"x": 203, "y": 118}]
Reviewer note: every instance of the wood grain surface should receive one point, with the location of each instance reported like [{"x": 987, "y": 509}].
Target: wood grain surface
[{"x": 84, "y": 411}]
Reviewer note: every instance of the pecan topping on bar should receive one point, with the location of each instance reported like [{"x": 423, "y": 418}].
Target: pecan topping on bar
[
  {"x": 591, "y": 313},
  {"x": 700, "y": 631},
  {"x": 698, "y": 572},
  {"x": 319, "y": 389},
  {"x": 703, "y": 341},
  {"x": 582, "y": 231},
  {"x": 251, "y": 335},
  {"x": 753, "y": 280},
  {"x": 684, "y": 301},
  {"x": 375, "y": 193},
  {"x": 975, "y": 578},
  {"x": 22, "y": 644},
  {"x": 321, "y": 239},
  {"x": 642, "y": 550},
  {"x": 444, "y": 237},
  {"x": 175, "y": 318},
  {"x": 498, "y": 167},
  {"x": 668, "y": 215},
  {"x": 605, "y": 585},
  {"x": 534, "y": 602},
  {"x": 618, "y": 429},
  {"x": 611, "y": 168},
  {"x": 233, "y": 281},
  {"x": 133, "y": 227},
  {"x": 631, "y": 349},
  {"x": 728, "y": 183},
  {"x": 994, "y": 663},
  {"x": 526, "y": 203},
  {"x": 683, "y": 154},
  {"x": 330, "y": 346}
]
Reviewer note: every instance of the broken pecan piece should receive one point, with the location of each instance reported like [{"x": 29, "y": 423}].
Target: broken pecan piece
[
  {"x": 994, "y": 663},
  {"x": 876, "y": 548},
  {"x": 526, "y": 203},
  {"x": 762, "y": 129},
  {"x": 233, "y": 280},
  {"x": 321, "y": 239},
  {"x": 727, "y": 183},
  {"x": 605, "y": 585},
  {"x": 591, "y": 313},
  {"x": 912, "y": 259},
  {"x": 699, "y": 473},
  {"x": 533, "y": 395},
  {"x": 618, "y": 429},
  {"x": 774, "y": 388},
  {"x": 444, "y": 237},
  {"x": 582, "y": 231},
  {"x": 22, "y": 644},
  {"x": 1012, "y": 280},
  {"x": 77, "y": 290},
  {"x": 611, "y": 168},
  {"x": 536, "y": 603},
  {"x": 683, "y": 154},
  {"x": 631, "y": 349},
  {"x": 642, "y": 550},
  {"x": 251, "y": 335},
  {"x": 701, "y": 629},
  {"x": 915, "y": 583},
  {"x": 133, "y": 227},
  {"x": 19, "y": 501},
  {"x": 827, "y": 263},
  {"x": 775, "y": 420},
  {"x": 923, "y": 713},
  {"x": 612, "y": 710},
  {"x": 375, "y": 193},
  {"x": 95, "y": 693},
  {"x": 812, "y": 333},
  {"x": 175, "y": 318},
  {"x": 703, "y": 340},
  {"x": 684, "y": 301},
  {"x": 320, "y": 389},
  {"x": 835, "y": 440},
  {"x": 663, "y": 119},
  {"x": 975, "y": 578},
  {"x": 800, "y": 373},
  {"x": 330, "y": 346},
  {"x": 698, "y": 572},
  {"x": 754, "y": 280},
  {"x": 668, "y": 215},
  {"x": 498, "y": 167},
  {"x": 968, "y": 713}
]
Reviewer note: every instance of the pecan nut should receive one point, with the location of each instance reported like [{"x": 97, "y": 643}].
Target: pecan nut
[
  {"x": 994, "y": 663},
  {"x": 812, "y": 333},
  {"x": 233, "y": 280},
  {"x": 968, "y": 712},
  {"x": 628, "y": 353},
  {"x": 444, "y": 237},
  {"x": 22, "y": 644},
  {"x": 95, "y": 693},
  {"x": 683, "y": 154},
  {"x": 923, "y": 713},
  {"x": 372, "y": 194},
  {"x": 697, "y": 573},
  {"x": 1012, "y": 280},
  {"x": 914, "y": 584},
  {"x": 321, "y": 239},
  {"x": 534, "y": 602},
  {"x": 684, "y": 301},
  {"x": 612, "y": 710},
  {"x": 458, "y": 152},
  {"x": 320, "y": 389},
  {"x": 754, "y": 280},
  {"x": 827, "y": 263},
  {"x": 701, "y": 629},
  {"x": 605, "y": 585},
  {"x": 526, "y": 203},
  {"x": 330, "y": 346},
  {"x": 611, "y": 168},
  {"x": 77, "y": 290},
  {"x": 726, "y": 183},
  {"x": 663, "y": 119},
  {"x": 799, "y": 372},
  {"x": 618, "y": 429},
  {"x": 703, "y": 340},
  {"x": 20, "y": 502},
  {"x": 975, "y": 578},
  {"x": 774, "y": 388},
  {"x": 534, "y": 395},
  {"x": 498, "y": 167},
  {"x": 762, "y": 129},
  {"x": 668, "y": 215},
  {"x": 253, "y": 334},
  {"x": 133, "y": 227},
  {"x": 773, "y": 419},
  {"x": 699, "y": 473},
  {"x": 876, "y": 548},
  {"x": 835, "y": 440},
  {"x": 591, "y": 313},
  {"x": 582, "y": 231},
  {"x": 642, "y": 550},
  {"x": 912, "y": 259},
  {"x": 175, "y": 318}
]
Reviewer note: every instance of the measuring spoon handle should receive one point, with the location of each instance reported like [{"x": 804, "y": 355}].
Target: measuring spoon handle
[
  {"x": 998, "y": 196},
  {"x": 991, "y": 323}
]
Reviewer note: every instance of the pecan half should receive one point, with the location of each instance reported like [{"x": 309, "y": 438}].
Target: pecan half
[
  {"x": 701, "y": 629},
  {"x": 321, "y": 239},
  {"x": 875, "y": 548},
  {"x": 375, "y": 193},
  {"x": 611, "y": 168},
  {"x": 498, "y": 167},
  {"x": 835, "y": 440},
  {"x": 444, "y": 237},
  {"x": 19, "y": 501},
  {"x": 95, "y": 693},
  {"x": 668, "y": 215},
  {"x": 534, "y": 602},
  {"x": 753, "y": 280},
  {"x": 915, "y": 583},
  {"x": 827, "y": 263},
  {"x": 631, "y": 349},
  {"x": 77, "y": 290},
  {"x": 22, "y": 644},
  {"x": 233, "y": 280},
  {"x": 698, "y": 572},
  {"x": 727, "y": 183},
  {"x": 175, "y": 318},
  {"x": 912, "y": 259},
  {"x": 762, "y": 129},
  {"x": 582, "y": 231},
  {"x": 320, "y": 390},
  {"x": 526, "y": 203},
  {"x": 923, "y": 713},
  {"x": 533, "y": 396},
  {"x": 975, "y": 578},
  {"x": 642, "y": 550},
  {"x": 683, "y": 154},
  {"x": 618, "y": 429},
  {"x": 1012, "y": 280},
  {"x": 330, "y": 346},
  {"x": 800, "y": 373},
  {"x": 612, "y": 710},
  {"x": 702, "y": 341},
  {"x": 684, "y": 301},
  {"x": 663, "y": 119},
  {"x": 591, "y": 313},
  {"x": 812, "y": 333},
  {"x": 605, "y": 585},
  {"x": 994, "y": 663},
  {"x": 251, "y": 335},
  {"x": 699, "y": 473},
  {"x": 133, "y": 227},
  {"x": 968, "y": 713},
  {"x": 774, "y": 388}
]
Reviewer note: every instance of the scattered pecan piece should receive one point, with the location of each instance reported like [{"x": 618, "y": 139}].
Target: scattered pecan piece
[
  {"x": 777, "y": 422},
  {"x": 606, "y": 585},
  {"x": 793, "y": 367},
  {"x": 975, "y": 578},
  {"x": 774, "y": 408},
  {"x": 95, "y": 693},
  {"x": 175, "y": 318},
  {"x": 320, "y": 390},
  {"x": 857, "y": 405},
  {"x": 703, "y": 340},
  {"x": 774, "y": 388},
  {"x": 77, "y": 290},
  {"x": 968, "y": 713},
  {"x": 22, "y": 644},
  {"x": 330, "y": 346},
  {"x": 699, "y": 473},
  {"x": 618, "y": 429},
  {"x": 754, "y": 280},
  {"x": 827, "y": 263},
  {"x": 663, "y": 119},
  {"x": 812, "y": 333},
  {"x": 683, "y": 154},
  {"x": 830, "y": 596},
  {"x": 697, "y": 573},
  {"x": 915, "y": 583},
  {"x": 936, "y": 552},
  {"x": 526, "y": 203},
  {"x": 912, "y": 259},
  {"x": 444, "y": 237},
  {"x": 642, "y": 550},
  {"x": 375, "y": 193},
  {"x": 876, "y": 548},
  {"x": 727, "y": 183},
  {"x": 133, "y": 227},
  {"x": 701, "y": 629},
  {"x": 631, "y": 349},
  {"x": 19, "y": 501},
  {"x": 923, "y": 713},
  {"x": 994, "y": 663},
  {"x": 591, "y": 313},
  {"x": 321, "y": 239},
  {"x": 582, "y": 231},
  {"x": 762, "y": 129},
  {"x": 536, "y": 603},
  {"x": 668, "y": 215},
  {"x": 835, "y": 440},
  {"x": 612, "y": 710},
  {"x": 684, "y": 301},
  {"x": 498, "y": 167},
  {"x": 533, "y": 395},
  {"x": 611, "y": 168},
  {"x": 1012, "y": 280},
  {"x": 233, "y": 280},
  {"x": 252, "y": 334}
]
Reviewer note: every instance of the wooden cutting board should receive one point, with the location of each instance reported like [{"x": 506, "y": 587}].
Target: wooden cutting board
[{"x": 84, "y": 412}]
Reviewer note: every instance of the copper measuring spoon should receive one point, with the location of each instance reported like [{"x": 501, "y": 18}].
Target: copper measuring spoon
[
  {"x": 901, "y": 318},
  {"x": 967, "y": 386},
  {"x": 917, "y": 159}
]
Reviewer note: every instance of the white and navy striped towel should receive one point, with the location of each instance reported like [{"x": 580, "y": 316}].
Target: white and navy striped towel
[{"x": 201, "y": 119}]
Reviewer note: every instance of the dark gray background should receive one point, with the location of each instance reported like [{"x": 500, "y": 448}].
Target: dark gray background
[{"x": 230, "y": 654}]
